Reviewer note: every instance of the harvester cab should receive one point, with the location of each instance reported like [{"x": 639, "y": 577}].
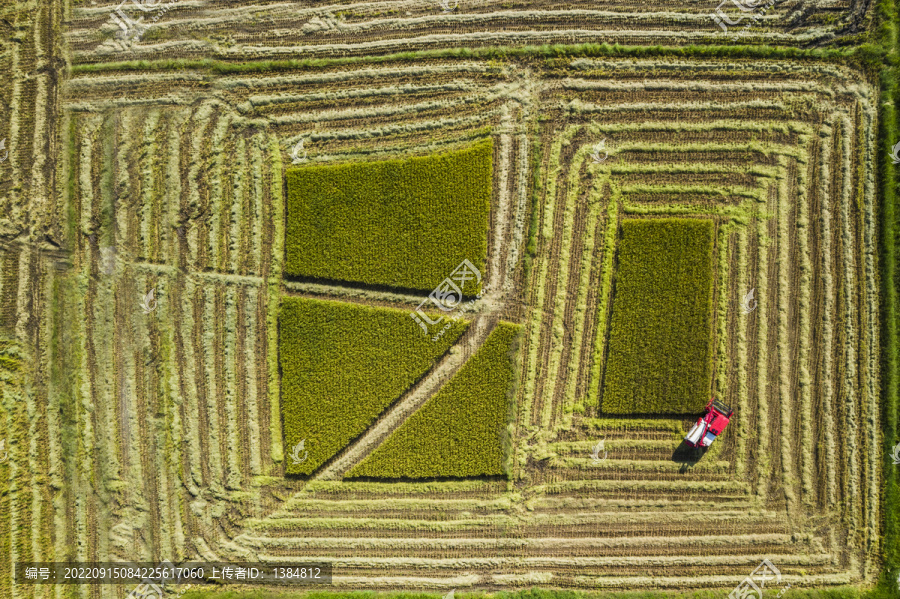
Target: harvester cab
[{"x": 710, "y": 425}]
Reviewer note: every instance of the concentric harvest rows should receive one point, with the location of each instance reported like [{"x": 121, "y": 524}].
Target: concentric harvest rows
[
  {"x": 250, "y": 31},
  {"x": 165, "y": 419},
  {"x": 173, "y": 409},
  {"x": 789, "y": 226},
  {"x": 28, "y": 104},
  {"x": 752, "y": 161}
]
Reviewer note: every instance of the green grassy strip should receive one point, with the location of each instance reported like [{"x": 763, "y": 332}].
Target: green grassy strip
[
  {"x": 405, "y": 223},
  {"x": 620, "y": 486},
  {"x": 767, "y": 127},
  {"x": 107, "y": 173},
  {"x": 717, "y": 191},
  {"x": 254, "y": 301},
  {"x": 458, "y": 432},
  {"x": 66, "y": 345},
  {"x": 537, "y": 169},
  {"x": 664, "y": 465},
  {"x": 742, "y": 392},
  {"x": 605, "y": 299},
  {"x": 889, "y": 220},
  {"x": 690, "y": 168},
  {"x": 230, "y": 390},
  {"x": 464, "y": 524},
  {"x": 149, "y": 158},
  {"x": 720, "y": 311},
  {"x": 784, "y": 353},
  {"x": 70, "y": 177},
  {"x": 9, "y": 368},
  {"x": 210, "y": 339},
  {"x": 764, "y": 148},
  {"x": 273, "y": 295},
  {"x": 335, "y": 379},
  {"x": 303, "y": 506},
  {"x": 219, "y": 195},
  {"x": 582, "y": 448},
  {"x": 549, "y": 51}
]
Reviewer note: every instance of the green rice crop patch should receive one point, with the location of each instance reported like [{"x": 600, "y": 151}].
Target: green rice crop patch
[
  {"x": 398, "y": 223},
  {"x": 660, "y": 336},
  {"x": 342, "y": 364},
  {"x": 459, "y": 431}
]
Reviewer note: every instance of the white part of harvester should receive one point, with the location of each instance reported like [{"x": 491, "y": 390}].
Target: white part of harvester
[{"x": 700, "y": 430}]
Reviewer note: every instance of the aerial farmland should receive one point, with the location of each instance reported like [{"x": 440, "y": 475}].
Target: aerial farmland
[{"x": 450, "y": 298}]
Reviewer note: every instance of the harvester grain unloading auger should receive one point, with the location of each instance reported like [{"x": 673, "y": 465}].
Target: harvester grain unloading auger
[{"x": 710, "y": 425}]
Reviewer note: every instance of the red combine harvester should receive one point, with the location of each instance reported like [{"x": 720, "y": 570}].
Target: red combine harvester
[{"x": 710, "y": 425}]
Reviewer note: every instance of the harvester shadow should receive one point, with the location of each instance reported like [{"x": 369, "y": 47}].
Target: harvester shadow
[{"x": 687, "y": 456}]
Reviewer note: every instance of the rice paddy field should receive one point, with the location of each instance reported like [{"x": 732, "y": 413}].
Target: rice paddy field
[{"x": 432, "y": 292}]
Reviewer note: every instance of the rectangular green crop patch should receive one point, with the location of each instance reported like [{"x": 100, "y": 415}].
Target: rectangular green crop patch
[
  {"x": 660, "y": 335},
  {"x": 395, "y": 223}
]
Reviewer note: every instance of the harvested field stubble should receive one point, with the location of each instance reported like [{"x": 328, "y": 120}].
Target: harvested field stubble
[{"x": 141, "y": 436}]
